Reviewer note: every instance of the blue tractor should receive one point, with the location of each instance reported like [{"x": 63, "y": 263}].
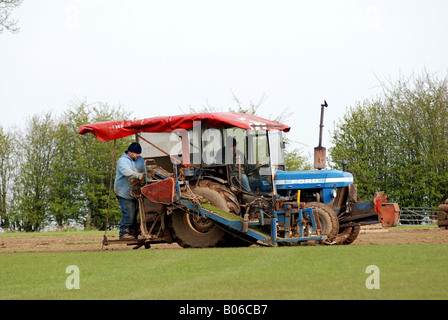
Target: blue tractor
[
  {"x": 219, "y": 179},
  {"x": 335, "y": 189}
]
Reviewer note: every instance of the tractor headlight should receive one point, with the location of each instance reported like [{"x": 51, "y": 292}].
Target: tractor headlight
[{"x": 333, "y": 193}]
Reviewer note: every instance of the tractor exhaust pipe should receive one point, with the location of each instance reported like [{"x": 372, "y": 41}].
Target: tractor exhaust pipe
[{"x": 320, "y": 152}]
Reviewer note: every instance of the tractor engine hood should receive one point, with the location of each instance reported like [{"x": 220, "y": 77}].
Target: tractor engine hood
[{"x": 312, "y": 179}]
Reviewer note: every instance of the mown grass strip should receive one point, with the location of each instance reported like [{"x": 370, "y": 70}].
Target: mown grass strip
[
  {"x": 323, "y": 272},
  {"x": 220, "y": 212}
]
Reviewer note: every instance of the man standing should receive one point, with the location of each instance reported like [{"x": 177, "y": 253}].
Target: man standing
[{"x": 130, "y": 166}]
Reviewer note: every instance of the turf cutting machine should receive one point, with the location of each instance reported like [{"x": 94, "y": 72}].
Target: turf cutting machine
[{"x": 219, "y": 179}]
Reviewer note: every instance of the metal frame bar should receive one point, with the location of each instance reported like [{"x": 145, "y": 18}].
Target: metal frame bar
[{"x": 238, "y": 225}]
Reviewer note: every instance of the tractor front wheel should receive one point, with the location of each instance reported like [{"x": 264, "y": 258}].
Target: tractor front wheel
[
  {"x": 328, "y": 221},
  {"x": 348, "y": 235}
]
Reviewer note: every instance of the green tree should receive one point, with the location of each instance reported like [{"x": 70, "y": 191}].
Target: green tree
[
  {"x": 7, "y": 149},
  {"x": 60, "y": 176},
  {"x": 397, "y": 142},
  {"x": 65, "y": 201},
  {"x": 32, "y": 183},
  {"x": 296, "y": 161},
  {"x": 91, "y": 163}
]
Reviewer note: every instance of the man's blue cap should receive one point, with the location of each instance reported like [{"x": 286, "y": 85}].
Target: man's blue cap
[{"x": 135, "y": 148}]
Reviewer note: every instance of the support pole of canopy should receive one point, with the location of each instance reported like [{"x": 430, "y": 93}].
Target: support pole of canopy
[{"x": 110, "y": 191}]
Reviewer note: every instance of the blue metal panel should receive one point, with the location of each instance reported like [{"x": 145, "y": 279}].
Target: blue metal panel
[
  {"x": 274, "y": 232},
  {"x": 312, "y": 179}
]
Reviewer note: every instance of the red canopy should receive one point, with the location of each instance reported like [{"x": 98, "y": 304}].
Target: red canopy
[{"x": 112, "y": 130}]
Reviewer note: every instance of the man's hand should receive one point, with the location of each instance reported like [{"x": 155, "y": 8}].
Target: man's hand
[{"x": 141, "y": 176}]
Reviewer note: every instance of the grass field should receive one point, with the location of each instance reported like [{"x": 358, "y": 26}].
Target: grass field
[{"x": 323, "y": 272}]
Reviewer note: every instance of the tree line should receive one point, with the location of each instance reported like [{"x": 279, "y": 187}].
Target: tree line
[
  {"x": 52, "y": 175},
  {"x": 397, "y": 142}
]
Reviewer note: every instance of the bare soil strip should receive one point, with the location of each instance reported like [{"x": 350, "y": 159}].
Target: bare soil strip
[{"x": 75, "y": 242}]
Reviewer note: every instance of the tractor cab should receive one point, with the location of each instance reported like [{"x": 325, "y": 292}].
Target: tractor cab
[{"x": 243, "y": 159}]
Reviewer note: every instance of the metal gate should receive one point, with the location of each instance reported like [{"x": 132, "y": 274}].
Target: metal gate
[{"x": 417, "y": 216}]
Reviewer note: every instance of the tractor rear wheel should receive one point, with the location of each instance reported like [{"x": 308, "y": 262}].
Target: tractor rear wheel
[
  {"x": 195, "y": 232},
  {"x": 192, "y": 231},
  {"x": 328, "y": 221}
]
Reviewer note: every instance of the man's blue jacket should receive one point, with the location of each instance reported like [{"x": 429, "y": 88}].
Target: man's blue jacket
[{"x": 127, "y": 169}]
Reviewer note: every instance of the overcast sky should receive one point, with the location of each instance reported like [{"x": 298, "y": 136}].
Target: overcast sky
[{"x": 163, "y": 57}]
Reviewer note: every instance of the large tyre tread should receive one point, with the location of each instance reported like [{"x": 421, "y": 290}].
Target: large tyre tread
[
  {"x": 187, "y": 237},
  {"x": 183, "y": 227},
  {"x": 328, "y": 218},
  {"x": 348, "y": 235}
]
